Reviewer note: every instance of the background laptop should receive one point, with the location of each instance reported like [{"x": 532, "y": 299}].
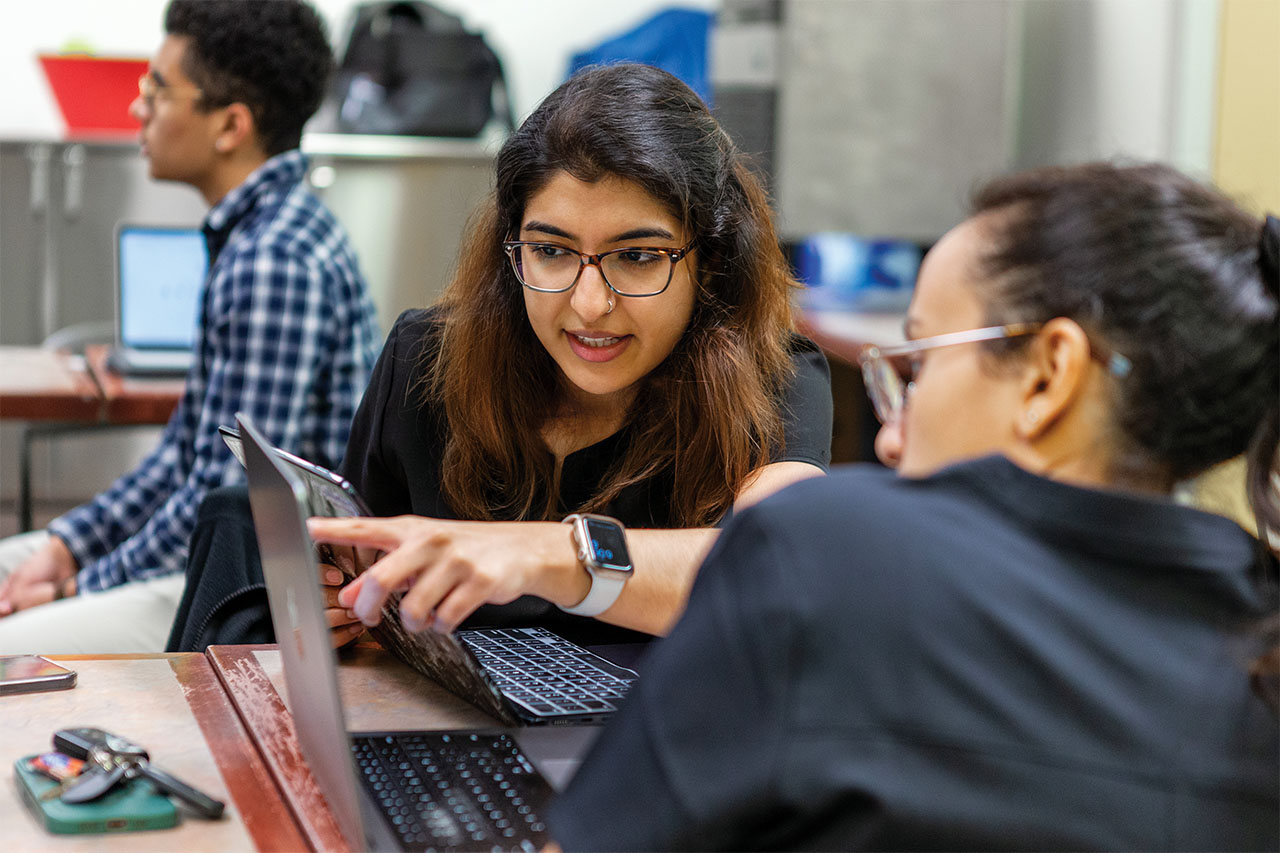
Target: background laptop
[
  {"x": 159, "y": 274},
  {"x": 521, "y": 676},
  {"x": 468, "y": 790}
]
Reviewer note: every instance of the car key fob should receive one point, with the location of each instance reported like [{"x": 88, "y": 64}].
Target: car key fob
[
  {"x": 79, "y": 742},
  {"x": 113, "y": 752},
  {"x": 103, "y": 775}
]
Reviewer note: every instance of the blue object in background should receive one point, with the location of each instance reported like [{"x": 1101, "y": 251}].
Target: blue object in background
[
  {"x": 844, "y": 271},
  {"x": 675, "y": 40}
]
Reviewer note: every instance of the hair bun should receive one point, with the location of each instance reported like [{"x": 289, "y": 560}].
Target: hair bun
[{"x": 1269, "y": 255}]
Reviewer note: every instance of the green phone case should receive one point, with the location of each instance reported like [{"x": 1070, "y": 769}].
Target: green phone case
[{"x": 132, "y": 805}]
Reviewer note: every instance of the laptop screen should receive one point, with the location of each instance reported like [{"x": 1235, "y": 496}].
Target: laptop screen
[{"x": 160, "y": 273}]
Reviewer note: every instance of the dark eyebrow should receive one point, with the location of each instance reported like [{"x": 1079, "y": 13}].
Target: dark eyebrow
[
  {"x": 157, "y": 76},
  {"x": 543, "y": 227},
  {"x": 643, "y": 233},
  {"x": 633, "y": 234}
]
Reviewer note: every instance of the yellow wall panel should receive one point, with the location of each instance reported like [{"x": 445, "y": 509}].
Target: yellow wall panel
[
  {"x": 1247, "y": 149},
  {"x": 1247, "y": 167}
]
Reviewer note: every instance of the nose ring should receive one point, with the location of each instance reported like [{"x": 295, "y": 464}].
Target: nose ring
[{"x": 610, "y": 311}]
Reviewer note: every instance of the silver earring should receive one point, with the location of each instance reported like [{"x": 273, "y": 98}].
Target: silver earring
[{"x": 1032, "y": 416}]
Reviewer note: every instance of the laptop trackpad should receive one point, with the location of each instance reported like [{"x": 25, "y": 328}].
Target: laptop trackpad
[{"x": 556, "y": 750}]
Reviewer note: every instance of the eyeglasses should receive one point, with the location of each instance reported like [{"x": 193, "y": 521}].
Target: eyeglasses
[
  {"x": 148, "y": 88},
  {"x": 889, "y": 372},
  {"x": 633, "y": 271}
]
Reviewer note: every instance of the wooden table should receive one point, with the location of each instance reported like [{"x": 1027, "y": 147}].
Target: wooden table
[
  {"x": 129, "y": 400},
  {"x": 47, "y": 385},
  {"x": 379, "y": 693},
  {"x": 176, "y": 707},
  {"x": 54, "y": 392}
]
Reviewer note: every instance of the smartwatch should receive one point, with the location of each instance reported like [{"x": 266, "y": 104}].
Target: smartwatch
[{"x": 602, "y": 550}]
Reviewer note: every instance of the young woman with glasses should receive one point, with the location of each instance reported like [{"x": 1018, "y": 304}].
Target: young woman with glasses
[
  {"x": 617, "y": 340},
  {"x": 1019, "y": 640}
]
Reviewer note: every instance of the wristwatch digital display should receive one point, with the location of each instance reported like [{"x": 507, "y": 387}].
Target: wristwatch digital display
[{"x": 601, "y": 544}]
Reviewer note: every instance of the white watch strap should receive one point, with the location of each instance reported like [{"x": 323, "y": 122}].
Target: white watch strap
[{"x": 604, "y": 592}]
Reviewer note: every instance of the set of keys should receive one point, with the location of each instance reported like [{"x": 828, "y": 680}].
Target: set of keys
[{"x": 109, "y": 760}]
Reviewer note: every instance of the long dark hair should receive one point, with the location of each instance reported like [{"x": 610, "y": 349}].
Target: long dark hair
[
  {"x": 1186, "y": 285},
  {"x": 707, "y": 415}
]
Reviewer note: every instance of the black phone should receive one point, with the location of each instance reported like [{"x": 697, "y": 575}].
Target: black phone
[{"x": 33, "y": 673}]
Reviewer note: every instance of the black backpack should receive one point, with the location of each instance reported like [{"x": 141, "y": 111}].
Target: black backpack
[{"x": 412, "y": 69}]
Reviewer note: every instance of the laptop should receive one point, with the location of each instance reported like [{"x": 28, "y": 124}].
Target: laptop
[
  {"x": 521, "y": 676},
  {"x": 387, "y": 790},
  {"x": 328, "y": 494},
  {"x": 159, "y": 275}
]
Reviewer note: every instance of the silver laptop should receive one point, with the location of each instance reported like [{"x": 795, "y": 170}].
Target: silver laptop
[
  {"x": 520, "y": 676},
  {"x": 401, "y": 790},
  {"x": 160, "y": 272}
]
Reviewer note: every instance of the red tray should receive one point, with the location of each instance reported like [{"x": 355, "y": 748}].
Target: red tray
[{"x": 94, "y": 92}]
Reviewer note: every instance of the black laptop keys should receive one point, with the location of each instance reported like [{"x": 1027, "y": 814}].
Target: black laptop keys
[{"x": 454, "y": 791}]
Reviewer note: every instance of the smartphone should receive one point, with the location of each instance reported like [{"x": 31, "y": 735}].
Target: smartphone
[
  {"x": 328, "y": 494},
  {"x": 32, "y": 673},
  {"x": 133, "y": 804}
]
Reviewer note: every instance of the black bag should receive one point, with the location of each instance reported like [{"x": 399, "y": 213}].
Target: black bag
[{"x": 412, "y": 69}]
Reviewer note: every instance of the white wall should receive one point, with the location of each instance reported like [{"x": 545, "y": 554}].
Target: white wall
[
  {"x": 1132, "y": 76},
  {"x": 534, "y": 39},
  {"x": 1127, "y": 78}
]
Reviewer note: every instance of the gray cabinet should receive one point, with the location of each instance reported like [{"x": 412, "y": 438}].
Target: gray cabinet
[
  {"x": 59, "y": 205},
  {"x": 889, "y": 111},
  {"x": 405, "y": 203}
]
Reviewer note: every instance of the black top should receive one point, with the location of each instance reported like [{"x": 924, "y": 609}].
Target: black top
[
  {"x": 394, "y": 454},
  {"x": 982, "y": 659}
]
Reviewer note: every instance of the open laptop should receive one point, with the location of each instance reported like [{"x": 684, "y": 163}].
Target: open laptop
[
  {"x": 521, "y": 676},
  {"x": 387, "y": 790},
  {"x": 159, "y": 274}
]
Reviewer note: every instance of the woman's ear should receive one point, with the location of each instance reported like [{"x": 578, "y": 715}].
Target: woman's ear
[{"x": 1055, "y": 377}]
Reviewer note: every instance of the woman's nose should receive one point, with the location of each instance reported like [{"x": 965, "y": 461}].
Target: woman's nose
[
  {"x": 591, "y": 296},
  {"x": 889, "y": 444}
]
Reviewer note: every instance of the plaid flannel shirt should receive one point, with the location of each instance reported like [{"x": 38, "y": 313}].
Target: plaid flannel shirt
[{"x": 287, "y": 333}]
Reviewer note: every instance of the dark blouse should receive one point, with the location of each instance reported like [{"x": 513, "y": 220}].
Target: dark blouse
[
  {"x": 397, "y": 441},
  {"x": 983, "y": 659}
]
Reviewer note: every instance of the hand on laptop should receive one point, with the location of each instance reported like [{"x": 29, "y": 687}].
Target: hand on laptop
[
  {"x": 344, "y": 627},
  {"x": 337, "y": 566},
  {"x": 449, "y": 568}
]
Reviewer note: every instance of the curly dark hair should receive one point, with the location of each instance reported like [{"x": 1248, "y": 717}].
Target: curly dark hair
[{"x": 271, "y": 55}]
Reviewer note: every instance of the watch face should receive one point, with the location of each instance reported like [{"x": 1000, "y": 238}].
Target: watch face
[{"x": 608, "y": 545}]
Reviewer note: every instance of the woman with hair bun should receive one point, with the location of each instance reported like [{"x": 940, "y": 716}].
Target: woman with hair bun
[{"x": 1019, "y": 640}]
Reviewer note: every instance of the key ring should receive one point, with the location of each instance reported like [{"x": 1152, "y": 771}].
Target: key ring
[{"x": 104, "y": 757}]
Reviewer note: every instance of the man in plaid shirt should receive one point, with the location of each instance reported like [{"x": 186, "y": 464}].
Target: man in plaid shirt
[{"x": 287, "y": 328}]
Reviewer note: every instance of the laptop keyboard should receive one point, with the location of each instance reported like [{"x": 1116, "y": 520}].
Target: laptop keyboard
[
  {"x": 547, "y": 674},
  {"x": 455, "y": 791}
]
